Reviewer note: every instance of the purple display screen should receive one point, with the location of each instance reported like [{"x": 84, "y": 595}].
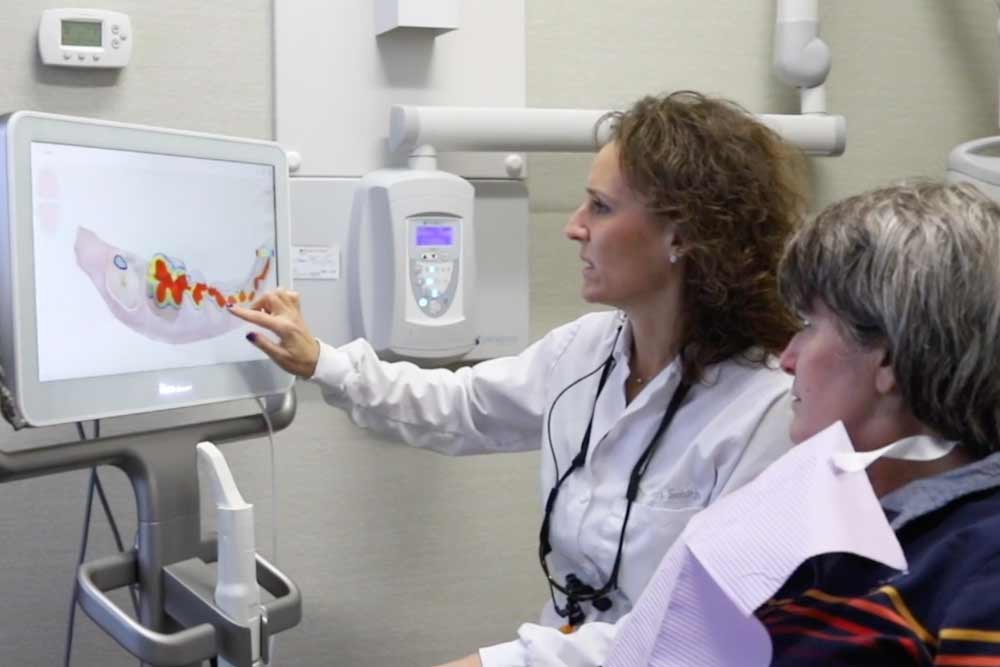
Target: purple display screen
[{"x": 434, "y": 235}]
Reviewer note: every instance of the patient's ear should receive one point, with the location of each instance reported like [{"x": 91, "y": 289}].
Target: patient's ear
[{"x": 885, "y": 378}]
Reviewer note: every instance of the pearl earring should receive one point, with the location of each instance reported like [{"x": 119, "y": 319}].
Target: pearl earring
[{"x": 673, "y": 258}]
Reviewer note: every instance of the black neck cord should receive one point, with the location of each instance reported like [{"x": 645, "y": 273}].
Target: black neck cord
[
  {"x": 606, "y": 367},
  {"x": 575, "y": 591}
]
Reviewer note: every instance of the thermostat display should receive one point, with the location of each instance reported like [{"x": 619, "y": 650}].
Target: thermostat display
[
  {"x": 81, "y": 33},
  {"x": 85, "y": 38}
]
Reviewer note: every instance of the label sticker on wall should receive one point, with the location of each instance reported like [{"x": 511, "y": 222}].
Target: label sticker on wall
[{"x": 316, "y": 262}]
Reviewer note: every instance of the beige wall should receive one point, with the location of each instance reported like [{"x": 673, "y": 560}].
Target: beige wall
[
  {"x": 195, "y": 65},
  {"x": 405, "y": 557}
]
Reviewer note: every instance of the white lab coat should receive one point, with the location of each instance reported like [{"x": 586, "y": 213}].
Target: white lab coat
[{"x": 729, "y": 427}]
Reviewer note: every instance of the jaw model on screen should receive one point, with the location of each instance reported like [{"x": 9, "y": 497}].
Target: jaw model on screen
[{"x": 159, "y": 298}]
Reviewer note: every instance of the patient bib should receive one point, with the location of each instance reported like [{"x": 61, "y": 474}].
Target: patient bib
[{"x": 699, "y": 606}]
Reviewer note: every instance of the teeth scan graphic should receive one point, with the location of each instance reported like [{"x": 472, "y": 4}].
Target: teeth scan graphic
[{"x": 159, "y": 297}]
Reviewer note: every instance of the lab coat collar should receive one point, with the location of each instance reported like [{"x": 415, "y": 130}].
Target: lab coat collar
[
  {"x": 622, "y": 352},
  {"x": 610, "y": 407},
  {"x": 668, "y": 377}
]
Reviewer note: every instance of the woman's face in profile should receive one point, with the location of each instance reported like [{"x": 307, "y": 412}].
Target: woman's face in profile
[
  {"x": 625, "y": 252},
  {"x": 835, "y": 378}
]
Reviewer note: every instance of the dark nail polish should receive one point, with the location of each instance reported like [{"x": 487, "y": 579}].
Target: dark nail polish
[{"x": 252, "y": 337}]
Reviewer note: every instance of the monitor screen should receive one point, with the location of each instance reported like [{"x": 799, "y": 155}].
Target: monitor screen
[
  {"x": 123, "y": 247},
  {"x": 144, "y": 252}
]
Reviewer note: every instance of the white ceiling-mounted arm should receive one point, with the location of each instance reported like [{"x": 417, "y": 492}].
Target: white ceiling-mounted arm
[
  {"x": 801, "y": 58},
  {"x": 496, "y": 129},
  {"x": 567, "y": 130},
  {"x": 817, "y": 134}
]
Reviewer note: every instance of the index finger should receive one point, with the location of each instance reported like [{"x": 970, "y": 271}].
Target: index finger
[{"x": 258, "y": 317}]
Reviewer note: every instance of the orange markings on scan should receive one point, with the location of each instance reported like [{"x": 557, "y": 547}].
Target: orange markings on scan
[
  {"x": 171, "y": 285},
  {"x": 220, "y": 300},
  {"x": 262, "y": 276}
]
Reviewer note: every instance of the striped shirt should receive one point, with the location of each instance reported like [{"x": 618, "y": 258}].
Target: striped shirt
[{"x": 841, "y": 609}]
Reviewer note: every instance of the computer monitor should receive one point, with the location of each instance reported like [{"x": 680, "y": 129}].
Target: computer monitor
[{"x": 120, "y": 248}]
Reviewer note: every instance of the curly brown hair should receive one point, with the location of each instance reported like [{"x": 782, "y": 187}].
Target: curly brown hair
[{"x": 736, "y": 192}]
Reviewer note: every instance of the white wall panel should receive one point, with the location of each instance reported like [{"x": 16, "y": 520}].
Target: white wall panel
[{"x": 195, "y": 65}]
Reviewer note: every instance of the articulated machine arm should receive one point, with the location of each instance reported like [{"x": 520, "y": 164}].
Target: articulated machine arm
[{"x": 801, "y": 58}]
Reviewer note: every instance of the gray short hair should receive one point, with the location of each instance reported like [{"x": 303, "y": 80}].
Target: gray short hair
[{"x": 915, "y": 267}]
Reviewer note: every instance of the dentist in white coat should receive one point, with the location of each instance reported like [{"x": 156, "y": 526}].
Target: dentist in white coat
[{"x": 644, "y": 414}]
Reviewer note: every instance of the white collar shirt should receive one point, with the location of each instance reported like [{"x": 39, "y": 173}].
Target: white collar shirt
[{"x": 729, "y": 427}]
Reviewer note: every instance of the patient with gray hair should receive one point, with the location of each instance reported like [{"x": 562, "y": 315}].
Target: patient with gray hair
[
  {"x": 899, "y": 290},
  {"x": 899, "y": 294}
]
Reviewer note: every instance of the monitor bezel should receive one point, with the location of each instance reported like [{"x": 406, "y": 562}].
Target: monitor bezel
[{"x": 65, "y": 401}]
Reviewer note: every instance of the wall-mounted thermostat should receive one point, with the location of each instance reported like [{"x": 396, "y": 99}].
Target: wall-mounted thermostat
[{"x": 85, "y": 38}]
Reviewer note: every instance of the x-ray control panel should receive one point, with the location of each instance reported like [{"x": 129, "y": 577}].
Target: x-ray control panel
[
  {"x": 414, "y": 270},
  {"x": 435, "y": 248}
]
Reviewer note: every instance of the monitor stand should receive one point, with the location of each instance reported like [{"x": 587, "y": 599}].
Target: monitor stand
[{"x": 178, "y": 623}]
